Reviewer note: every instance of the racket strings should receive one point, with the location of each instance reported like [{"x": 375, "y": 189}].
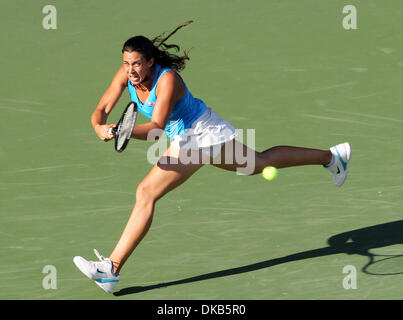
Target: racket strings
[{"x": 126, "y": 126}]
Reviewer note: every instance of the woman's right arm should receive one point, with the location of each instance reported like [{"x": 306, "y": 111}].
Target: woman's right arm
[{"x": 106, "y": 104}]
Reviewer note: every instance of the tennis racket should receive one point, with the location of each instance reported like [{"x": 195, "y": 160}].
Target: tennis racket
[{"x": 124, "y": 127}]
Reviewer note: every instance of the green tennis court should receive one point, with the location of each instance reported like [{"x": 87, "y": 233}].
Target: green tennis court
[{"x": 287, "y": 69}]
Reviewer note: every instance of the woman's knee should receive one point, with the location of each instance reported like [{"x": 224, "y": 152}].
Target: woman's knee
[{"x": 145, "y": 194}]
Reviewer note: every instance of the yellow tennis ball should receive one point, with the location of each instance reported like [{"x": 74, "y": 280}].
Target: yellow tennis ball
[{"x": 269, "y": 173}]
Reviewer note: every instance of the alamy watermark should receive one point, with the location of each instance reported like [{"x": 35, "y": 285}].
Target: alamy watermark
[
  {"x": 350, "y": 280},
  {"x": 190, "y": 151},
  {"x": 50, "y": 280},
  {"x": 350, "y": 20},
  {"x": 49, "y": 21}
]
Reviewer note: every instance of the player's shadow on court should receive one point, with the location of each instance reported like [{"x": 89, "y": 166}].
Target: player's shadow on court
[{"x": 359, "y": 241}]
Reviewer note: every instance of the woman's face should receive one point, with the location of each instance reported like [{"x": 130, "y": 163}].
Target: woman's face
[{"x": 137, "y": 67}]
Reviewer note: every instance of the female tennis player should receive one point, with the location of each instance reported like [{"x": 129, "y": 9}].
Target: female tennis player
[{"x": 150, "y": 73}]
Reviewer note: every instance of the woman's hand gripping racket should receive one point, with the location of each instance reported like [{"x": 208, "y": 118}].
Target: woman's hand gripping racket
[{"x": 124, "y": 128}]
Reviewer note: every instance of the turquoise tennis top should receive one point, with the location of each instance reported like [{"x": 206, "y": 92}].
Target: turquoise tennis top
[{"x": 184, "y": 113}]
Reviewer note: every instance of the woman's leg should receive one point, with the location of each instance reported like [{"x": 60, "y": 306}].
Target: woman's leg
[
  {"x": 166, "y": 175},
  {"x": 235, "y": 156}
]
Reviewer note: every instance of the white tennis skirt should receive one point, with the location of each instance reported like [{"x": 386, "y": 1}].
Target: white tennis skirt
[{"x": 208, "y": 133}]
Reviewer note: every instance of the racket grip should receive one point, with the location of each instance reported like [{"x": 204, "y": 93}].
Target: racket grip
[{"x": 111, "y": 131}]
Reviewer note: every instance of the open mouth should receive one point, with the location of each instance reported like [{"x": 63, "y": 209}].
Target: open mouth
[{"x": 134, "y": 77}]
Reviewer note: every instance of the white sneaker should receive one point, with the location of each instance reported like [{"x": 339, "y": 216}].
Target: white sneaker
[
  {"x": 338, "y": 167},
  {"x": 100, "y": 271}
]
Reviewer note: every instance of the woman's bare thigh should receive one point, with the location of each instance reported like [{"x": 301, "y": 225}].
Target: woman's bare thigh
[{"x": 171, "y": 170}]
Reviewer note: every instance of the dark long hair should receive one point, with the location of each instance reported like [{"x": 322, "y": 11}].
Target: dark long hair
[{"x": 158, "y": 49}]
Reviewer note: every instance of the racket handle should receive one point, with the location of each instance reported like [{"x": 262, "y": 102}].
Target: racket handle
[{"x": 111, "y": 131}]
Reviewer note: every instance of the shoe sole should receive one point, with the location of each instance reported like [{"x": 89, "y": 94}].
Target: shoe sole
[
  {"x": 347, "y": 150},
  {"x": 106, "y": 286}
]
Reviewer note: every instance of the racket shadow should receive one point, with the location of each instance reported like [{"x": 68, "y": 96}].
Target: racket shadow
[{"x": 359, "y": 241}]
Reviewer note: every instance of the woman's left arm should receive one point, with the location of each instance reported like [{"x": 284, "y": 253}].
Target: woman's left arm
[{"x": 169, "y": 90}]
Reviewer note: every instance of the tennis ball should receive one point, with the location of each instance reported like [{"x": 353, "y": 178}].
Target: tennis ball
[{"x": 269, "y": 173}]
